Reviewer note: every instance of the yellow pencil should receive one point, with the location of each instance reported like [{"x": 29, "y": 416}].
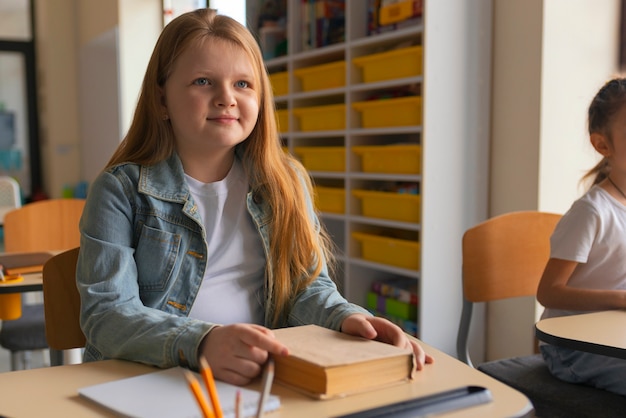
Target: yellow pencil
[
  {"x": 209, "y": 381},
  {"x": 199, "y": 395}
]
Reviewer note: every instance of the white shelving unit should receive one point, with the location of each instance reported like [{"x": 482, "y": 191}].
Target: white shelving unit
[{"x": 452, "y": 181}]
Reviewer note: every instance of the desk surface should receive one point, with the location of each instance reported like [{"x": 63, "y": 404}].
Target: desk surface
[
  {"x": 31, "y": 283},
  {"x": 52, "y": 391},
  {"x": 596, "y": 332}
]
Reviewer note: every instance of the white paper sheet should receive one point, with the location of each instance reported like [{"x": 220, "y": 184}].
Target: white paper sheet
[{"x": 166, "y": 393}]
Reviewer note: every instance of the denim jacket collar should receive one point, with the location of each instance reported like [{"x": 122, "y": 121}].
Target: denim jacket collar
[{"x": 163, "y": 180}]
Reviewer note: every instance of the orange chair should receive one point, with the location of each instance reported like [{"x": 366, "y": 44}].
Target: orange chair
[
  {"x": 504, "y": 257},
  {"x": 47, "y": 225}
]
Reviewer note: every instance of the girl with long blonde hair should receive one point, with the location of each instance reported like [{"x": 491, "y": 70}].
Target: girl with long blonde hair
[{"x": 200, "y": 234}]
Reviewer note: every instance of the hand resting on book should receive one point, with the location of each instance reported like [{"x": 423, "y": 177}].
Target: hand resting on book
[
  {"x": 381, "y": 329},
  {"x": 236, "y": 353}
]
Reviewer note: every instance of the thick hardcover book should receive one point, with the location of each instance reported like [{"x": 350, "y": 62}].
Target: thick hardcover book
[{"x": 325, "y": 364}]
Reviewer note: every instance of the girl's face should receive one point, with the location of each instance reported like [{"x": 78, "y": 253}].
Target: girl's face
[
  {"x": 211, "y": 97},
  {"x": 617, "y": 147}
]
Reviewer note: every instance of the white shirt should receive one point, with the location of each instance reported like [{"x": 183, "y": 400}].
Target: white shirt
[
  {"x": 232, "y": 288},
  {"x": 592, "y": 233}
]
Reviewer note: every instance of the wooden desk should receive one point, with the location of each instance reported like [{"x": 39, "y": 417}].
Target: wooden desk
[
  {"x": 31, "y": 283},
  {"x": 596, "y": 332},
  {"x": 52, "y": 391}
]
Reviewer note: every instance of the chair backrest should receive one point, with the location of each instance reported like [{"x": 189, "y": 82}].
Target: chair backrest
[
  {"x": 62, "y": 302},
  {"x": 46, "y": 225},
  {"x": 503, "y": 257},
  {"x": 10, "y": 196}
]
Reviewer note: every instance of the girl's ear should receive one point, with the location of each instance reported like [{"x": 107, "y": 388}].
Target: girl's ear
[{"x": 601, "y": 144}]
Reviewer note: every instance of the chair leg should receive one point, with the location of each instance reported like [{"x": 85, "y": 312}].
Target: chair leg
[
  {"x": 15, "y": 360},
  {"x": 26, "y": 357},
  {"x": 56, "y": 357}
]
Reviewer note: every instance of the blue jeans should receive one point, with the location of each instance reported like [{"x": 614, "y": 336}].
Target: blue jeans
[{"x": 589, "y": 369}]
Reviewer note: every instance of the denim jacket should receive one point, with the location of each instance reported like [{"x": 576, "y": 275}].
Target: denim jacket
[{"x": 142, "y": 260}]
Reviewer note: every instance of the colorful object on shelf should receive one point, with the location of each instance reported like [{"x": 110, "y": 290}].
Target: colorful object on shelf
[
  {"x": 397, "y": 63},
  {"x": 282, "y": 119},
  {"x": 394, "y": 11},
  {"x": 323, "y": 23},
  {"x": 390, "y": 159},
  {"x": 280, "y": 83},
  {"x": 389, "y": 205},
  {"x": 404, "y": 289},
  {"x": 330, "y": 199},
  {"x": 321, "y": 118},
  {"x": 391, "y": 251},
  {"x": 322, "y": 158},
  {"x": 324, "y": 76},
  {"x": 391, "y": 306},
  {"x": 403, "y": 111}
]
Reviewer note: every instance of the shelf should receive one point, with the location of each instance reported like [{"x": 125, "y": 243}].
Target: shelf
[{"x": 356, "y": 274}]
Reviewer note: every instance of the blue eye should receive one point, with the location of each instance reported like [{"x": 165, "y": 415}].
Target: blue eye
[
  {"x": 201, "y": 81},
  {"x": 241, "y": 84}
]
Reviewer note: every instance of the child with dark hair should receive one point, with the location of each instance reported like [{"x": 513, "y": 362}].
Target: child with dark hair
[{"x": 587, "y": 268}]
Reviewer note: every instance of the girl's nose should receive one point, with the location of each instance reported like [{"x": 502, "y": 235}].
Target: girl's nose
[{"x": 224, "y": 97}]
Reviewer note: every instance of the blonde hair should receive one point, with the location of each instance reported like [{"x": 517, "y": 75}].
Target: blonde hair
[{"x": 298, "y": 247}]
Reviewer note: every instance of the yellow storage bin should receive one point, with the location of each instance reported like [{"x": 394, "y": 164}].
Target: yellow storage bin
[
  {"x": 322, "y": 158},
  {"x": 321, "y": 118},
  {"x": 399, "y": 11},
  {"x": 282, "y": 118},
  {"x": 330, "y": 199},
  {"x": 384, "y": 113},
  {"x": 320, "y": 77},
  {"x": 392, "y": 159},
  {"x": 392, "y": 251},
  {"x": 280, "y": 83},
  {"x": 388, "y": 205},
  {"x": 397, "y": 63}
]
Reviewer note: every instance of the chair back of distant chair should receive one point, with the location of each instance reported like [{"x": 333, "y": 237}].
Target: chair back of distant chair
[
  {"x": 46, "y": 225},
  {"x": 10, "y": 196},
  {"x": 62, "y": 302},
  {"x": 503, "y": 257}
]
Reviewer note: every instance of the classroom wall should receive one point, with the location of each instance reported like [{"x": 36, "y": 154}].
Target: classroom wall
[
  {"x": 91, "y": 58},
  {"x": 550, "y": 58}
]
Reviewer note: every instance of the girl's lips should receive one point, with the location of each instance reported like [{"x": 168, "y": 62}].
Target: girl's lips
[{"x": 224, "y": 118}]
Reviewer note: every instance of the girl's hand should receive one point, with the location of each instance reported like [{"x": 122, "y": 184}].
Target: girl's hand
[
  {"x": 380, "y": 329},
  {"x": 236, "y": 353}
]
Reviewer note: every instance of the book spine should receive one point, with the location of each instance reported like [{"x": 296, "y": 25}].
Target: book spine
[
  {"x": 400, "y": 290},
  {"x": 391, "y": 306}
]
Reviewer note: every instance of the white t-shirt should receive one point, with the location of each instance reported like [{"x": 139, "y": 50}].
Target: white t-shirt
[
  {"x": 232, "y": 288},
  {"x": 592, "y": 233}
]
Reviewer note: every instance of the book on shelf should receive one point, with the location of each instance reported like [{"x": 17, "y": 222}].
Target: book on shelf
[
  {"x": 403, "y": 289},
  {"x": 323, "y": 23},
  {"x": 324, "y": 363},
  {"x": 391, "y": 306}
]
